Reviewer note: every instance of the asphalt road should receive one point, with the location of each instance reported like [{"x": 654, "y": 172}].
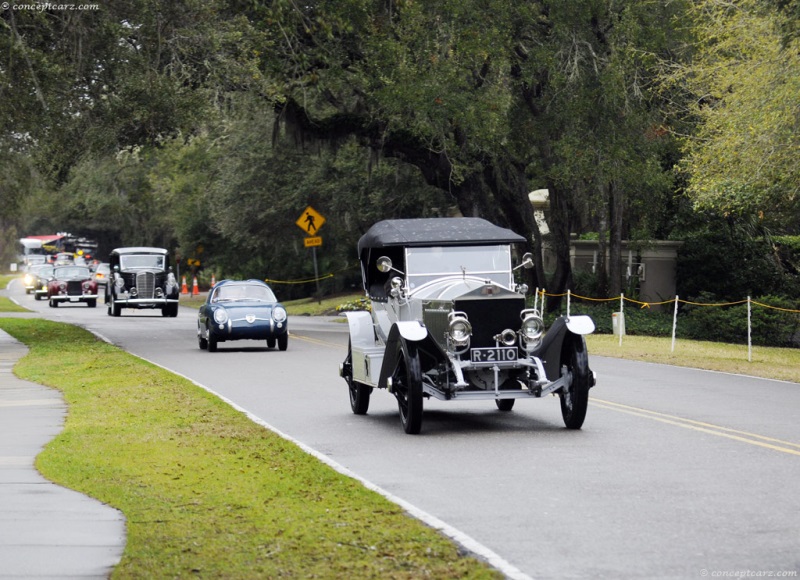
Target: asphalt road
[{"x": 677, "y": 473}]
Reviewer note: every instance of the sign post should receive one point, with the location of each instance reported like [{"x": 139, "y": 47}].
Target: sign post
[{"x": 310, "y": 221}]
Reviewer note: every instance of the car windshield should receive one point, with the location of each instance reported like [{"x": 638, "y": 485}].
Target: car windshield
[
  {"x": 72, "y": 272},
  {"x": 45, "y": 270},
  {"x": 141, "y": 262},
  {"x": 424, "y": 265},
  {"x": 243, "y": 292}
]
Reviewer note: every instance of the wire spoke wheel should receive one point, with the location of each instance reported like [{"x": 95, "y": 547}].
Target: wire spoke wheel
[
  {"x": 575, "y": 397},
  {"x": 407, "y": 387},
  {"x": 359, "y": 392}
]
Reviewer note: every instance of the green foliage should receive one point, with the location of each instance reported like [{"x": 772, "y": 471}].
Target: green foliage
[
  {"x": 745, "y": 85},
  {"x": 355, "y": 305},
  {"x": 769, "y": 326},
  {"x": 728, "y": 261}
]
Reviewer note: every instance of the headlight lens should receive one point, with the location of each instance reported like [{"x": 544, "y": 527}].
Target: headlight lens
[
  {"x": 279, "y": 314},
  {"x": 532, "y": 330},
  {"x": 459, "y": 329},
  {"x": 220, "y": 316}
]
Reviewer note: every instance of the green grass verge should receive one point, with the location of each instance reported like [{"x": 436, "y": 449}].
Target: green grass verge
[
  {"x": 767, "y": 362},
  {"x": 6, "y": 278},
  {"x": 6, "y": 305},
  {"x": 206, "y": 492}
]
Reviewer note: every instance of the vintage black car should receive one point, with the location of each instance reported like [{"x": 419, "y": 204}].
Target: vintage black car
[
  {"x": 449, "y": 321},
  {"x": 36, "y": 280},
  {"x": 141, "y": 277},
  {"x": 242, "y": 310}
]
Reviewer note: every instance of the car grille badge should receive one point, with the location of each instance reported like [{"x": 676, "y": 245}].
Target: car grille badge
[{"x": 251, "y": 318}]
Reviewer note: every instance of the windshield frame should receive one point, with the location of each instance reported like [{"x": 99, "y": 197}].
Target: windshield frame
[
  {"x": 489, "y": 262},
  {"x": 134, "y": 262}
]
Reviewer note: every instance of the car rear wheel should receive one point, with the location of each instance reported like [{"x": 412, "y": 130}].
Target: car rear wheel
[
  {"x": 407, "y": 388},
  {"x": 505, "y": 404},
  {"x": 575, "y": 398},
  {"x": 283, "y": 341},
  {"x": 359, "y": 392}
]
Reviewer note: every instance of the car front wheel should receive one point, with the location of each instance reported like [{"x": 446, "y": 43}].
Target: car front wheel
[
  {"x": 407, "y": 388},
  {"x": 201, "y": 342},
  {"x": 283, "y": 341},
  {"x": 505, "y": 404},
  {"x": 575, "y": 398},
  {"x": 212, "y": 340}
]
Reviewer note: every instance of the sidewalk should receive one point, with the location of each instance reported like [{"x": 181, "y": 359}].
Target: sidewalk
[{"x": 46, "y": 531}]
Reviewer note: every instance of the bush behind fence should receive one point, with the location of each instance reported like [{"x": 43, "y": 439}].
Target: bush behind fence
[{"x": 773, "y": 319}]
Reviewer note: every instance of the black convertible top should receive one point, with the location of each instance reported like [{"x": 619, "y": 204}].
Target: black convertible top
[{"x": 436, "y": 232}]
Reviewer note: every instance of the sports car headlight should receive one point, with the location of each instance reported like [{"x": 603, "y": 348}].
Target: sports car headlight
[
  {"x": 531, "y": 330},
  {"x": 220, "y": 316},
  {"x": 459, "y": 329},
  {"x": 279, "y": 314}
]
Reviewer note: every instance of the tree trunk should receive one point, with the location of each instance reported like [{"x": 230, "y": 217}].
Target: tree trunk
[{"x": 560, "y": 230}]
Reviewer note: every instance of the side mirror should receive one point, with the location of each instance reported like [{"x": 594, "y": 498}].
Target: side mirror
[
  {"x": 527, "y": 261},
  {"x": 384, "y": 264}
]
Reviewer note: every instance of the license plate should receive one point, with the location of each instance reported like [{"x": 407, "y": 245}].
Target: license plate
[
  {"x": 493, "y": 355},
  {"x": 73, "y": 298}
]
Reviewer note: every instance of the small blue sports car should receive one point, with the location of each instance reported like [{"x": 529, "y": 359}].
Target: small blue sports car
[{"x": 242, "y": 309}]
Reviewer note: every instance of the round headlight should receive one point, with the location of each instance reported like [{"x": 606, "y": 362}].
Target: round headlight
[
  {"x": 459, "y": 329},
  {"x": 220, "y": 316},
  {"x": 279, "y": 314},
  {"x": 532, "y": 330}
]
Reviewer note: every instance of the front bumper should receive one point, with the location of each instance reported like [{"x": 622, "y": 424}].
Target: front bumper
[
  {"x": 243, "y": 329},
  {"x": 145, "y": 302},
  {"x": 73, "y": 297}
]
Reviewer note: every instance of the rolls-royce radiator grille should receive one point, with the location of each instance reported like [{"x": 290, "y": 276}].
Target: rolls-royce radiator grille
[
  {"x": 145, "y": 284},
  {"x": 75, "y": 288},
  {"x": 491, "y": 316}
]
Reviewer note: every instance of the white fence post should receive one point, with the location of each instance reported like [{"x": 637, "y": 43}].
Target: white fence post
[
  {"x": 749, "y": 329},
  {"x": 674, "y": 323},
  {"x": 569, "y": 295},
  {"x": 621, "y": 315}
]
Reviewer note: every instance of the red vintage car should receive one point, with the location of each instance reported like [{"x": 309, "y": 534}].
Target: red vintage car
[{"x": 72, "y": 284}]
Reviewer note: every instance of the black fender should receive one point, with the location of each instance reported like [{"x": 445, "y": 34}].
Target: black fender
[
  {"x": 558, "y": 338},
  {"x": 409, "y": 338}
]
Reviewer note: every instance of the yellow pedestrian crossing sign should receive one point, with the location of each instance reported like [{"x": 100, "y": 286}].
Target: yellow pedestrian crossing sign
[{"x": 310, "y": 221}]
